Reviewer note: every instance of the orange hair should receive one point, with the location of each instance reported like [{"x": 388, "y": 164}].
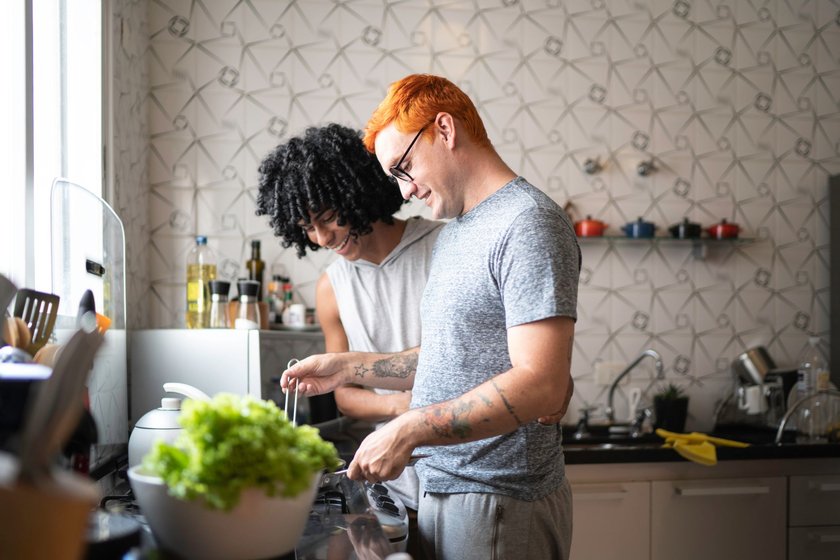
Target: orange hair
[{"x": 414, "y": 101}]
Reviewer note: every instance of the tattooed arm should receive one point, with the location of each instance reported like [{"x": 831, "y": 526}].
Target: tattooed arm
[
  {"x": 324, "y": 372},
  {"x": 538, "y": 386}
]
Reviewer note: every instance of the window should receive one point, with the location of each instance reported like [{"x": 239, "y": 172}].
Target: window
[{"x": 51, "y": 122}]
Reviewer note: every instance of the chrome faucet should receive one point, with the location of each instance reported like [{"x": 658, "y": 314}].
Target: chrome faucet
[{"x": 660, "y": 374}]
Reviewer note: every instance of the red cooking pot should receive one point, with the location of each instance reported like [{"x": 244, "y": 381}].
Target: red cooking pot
[
  {"x": 590, "y": 227},
  {"x": 723, "y": 230}
]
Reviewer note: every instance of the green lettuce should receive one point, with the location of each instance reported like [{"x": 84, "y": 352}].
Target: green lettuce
[{"x": 231, "y": 443}]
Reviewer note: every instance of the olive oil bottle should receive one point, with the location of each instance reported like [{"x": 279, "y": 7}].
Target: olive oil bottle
[{"x": 201, "y": 268}]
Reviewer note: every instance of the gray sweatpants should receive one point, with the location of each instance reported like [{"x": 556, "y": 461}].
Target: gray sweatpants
[{"x": 496, "y": 527}]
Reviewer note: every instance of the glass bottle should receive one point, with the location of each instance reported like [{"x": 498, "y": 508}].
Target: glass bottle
[
  {"x": 248, "y": 315},
  {"x": 201, "y": 268},
  {"x": 256, "y": 267},
  {"x": 219, "y": 290},
  {"x": 810, "y": 371}
]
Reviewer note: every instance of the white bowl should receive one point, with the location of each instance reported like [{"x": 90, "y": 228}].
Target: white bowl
[{"x": 257, "y": 527}]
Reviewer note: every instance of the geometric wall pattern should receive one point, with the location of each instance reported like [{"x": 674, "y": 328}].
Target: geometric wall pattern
[{"x": 735, "y": 105}]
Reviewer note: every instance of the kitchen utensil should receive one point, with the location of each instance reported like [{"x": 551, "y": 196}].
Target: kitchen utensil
[
  {"x": 723, "y": 230},
  {"x": 751, "y": 366},
  {"x": 686, "y": 230},
  {"x": 292, "y": 362},
  {"x": 160, "y": 423},
  {"x": 57, "y": 407},
  {"x": 39, "y": 311},
  {"x": 330, "y": 479},
  {"x": 639, "y": 229},
  {"x": 7, "y": 293},
  {"x": 590, "y": 227}
]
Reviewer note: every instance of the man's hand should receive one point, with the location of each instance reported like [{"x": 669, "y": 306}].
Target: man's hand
[
  {"x": 384, "y": 454},
  {"x": 316, "y": 375}
]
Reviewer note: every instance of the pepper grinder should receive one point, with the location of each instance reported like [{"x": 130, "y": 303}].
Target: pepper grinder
[
  {"x": 248, "y": 316},
  {"x": 219, "y": 290}
]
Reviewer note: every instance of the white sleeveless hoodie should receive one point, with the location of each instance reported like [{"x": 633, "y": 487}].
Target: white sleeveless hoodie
[{"x": 379, "y": 306}]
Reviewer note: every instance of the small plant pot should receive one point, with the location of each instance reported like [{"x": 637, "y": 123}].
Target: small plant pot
[{"x": 670, "y": 414}]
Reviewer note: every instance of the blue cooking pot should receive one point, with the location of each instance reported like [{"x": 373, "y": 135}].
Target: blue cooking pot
[{"x": 639, "y": 228}]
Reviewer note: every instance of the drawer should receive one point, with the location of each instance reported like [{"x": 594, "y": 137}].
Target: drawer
[
  {"x": 620, "y": 509},
  {"x": 814, "y": 500},
  {"x": 814, "y": 543},
  {"x": 720, "y": 519}
]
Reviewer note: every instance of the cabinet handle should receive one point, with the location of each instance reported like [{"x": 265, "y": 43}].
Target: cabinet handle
[
  {"x": 825, "y": 486},
  {"x": 824, "y": 538},
  {"x": 602, "y": 493},
  {"x": 723, "y": 491}
]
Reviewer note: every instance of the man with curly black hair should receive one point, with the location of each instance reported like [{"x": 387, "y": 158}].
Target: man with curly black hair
[{"x": 323, "y": 189}]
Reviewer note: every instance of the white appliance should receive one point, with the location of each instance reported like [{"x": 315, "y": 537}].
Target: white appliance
[{"x": 244, "y": 362}]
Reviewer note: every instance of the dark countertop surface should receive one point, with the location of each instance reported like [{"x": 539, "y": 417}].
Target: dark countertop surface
[{"x": 601, "y": 448}]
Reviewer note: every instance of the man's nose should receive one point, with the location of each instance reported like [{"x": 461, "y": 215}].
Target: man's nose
[{"x": 407, "y": 189}]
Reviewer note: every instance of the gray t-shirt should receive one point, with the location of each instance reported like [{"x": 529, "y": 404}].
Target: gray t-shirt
[{"x": 511, "y": 260}]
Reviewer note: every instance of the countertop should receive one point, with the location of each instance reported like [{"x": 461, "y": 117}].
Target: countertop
[
  {"x": 655, "y": 453},
  {"x": 601, "y": 448}
]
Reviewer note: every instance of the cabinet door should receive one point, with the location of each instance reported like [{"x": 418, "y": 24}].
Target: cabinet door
[
  {"x": 814, "y": 543},
  {"x": 611, "y": 521},
  {"x": 737, "y": 519},
  {"x": 814, "y": 500}
]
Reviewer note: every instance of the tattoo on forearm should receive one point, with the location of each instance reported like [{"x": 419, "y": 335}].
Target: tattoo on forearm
[
  {"x": 451, "y": 421},
  {"x": 507, "y": 404},
  {"x": 361, "y": 371},
  {"x": 399, "y": 365}
]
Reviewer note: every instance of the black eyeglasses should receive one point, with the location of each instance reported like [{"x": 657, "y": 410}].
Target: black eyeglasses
[{"x": 398, "y": 171}]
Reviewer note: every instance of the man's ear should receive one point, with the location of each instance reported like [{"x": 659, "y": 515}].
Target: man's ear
[{"x": 445, "y": 127}]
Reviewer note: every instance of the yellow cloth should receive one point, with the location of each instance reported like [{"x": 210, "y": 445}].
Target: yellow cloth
[{"x": 695, "y": 446}]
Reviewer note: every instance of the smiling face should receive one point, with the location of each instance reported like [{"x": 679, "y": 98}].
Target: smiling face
[
  {"x": 423, "y": 176},
  {"x": 325, "y": 231}
]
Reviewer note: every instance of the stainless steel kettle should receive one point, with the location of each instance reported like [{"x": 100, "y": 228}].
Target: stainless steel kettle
[{"x": 160, "y": 423}]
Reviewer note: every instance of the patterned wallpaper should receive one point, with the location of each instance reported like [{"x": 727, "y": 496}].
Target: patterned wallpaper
[
  {"x": 735, "y": 105},
  {"x": 129, "y": 39}
]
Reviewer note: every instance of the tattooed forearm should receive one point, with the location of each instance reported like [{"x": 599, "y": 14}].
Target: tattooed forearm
[
  {"x": 401, "y": 366},
  {"x": 507, "y": 404},
  {"x": 450, "y": 421},
  {"x": 361, "y": 371}
]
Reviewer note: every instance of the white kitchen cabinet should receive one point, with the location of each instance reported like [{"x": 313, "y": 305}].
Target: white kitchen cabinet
[
  {"x": 611, "y": 521},
  {"x": 737, "y": 519},
  {"x": 814, "y": 518}
]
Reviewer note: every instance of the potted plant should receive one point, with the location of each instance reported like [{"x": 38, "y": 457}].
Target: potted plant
[{"x": 670, "y": 408}]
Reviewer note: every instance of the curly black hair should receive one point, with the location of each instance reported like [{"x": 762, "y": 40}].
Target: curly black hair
[{"x": 326, "y": 168}]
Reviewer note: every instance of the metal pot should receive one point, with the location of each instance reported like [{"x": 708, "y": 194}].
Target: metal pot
[
  {"x": 723, "y": 230},
  {"x": 686, "y": 230},
  {"x": 639, "y": 228},
  {"x": 752, "y": 365},
  {"x": 590, "y": 227}
]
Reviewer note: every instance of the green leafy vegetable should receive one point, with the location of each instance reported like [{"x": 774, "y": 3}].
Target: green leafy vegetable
[{"x": 231, "y": 443}]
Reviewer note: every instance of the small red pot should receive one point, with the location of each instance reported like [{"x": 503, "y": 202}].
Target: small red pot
[
  {"x": 590, "y": 227},
  {"x": 723, "y": 230}
]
